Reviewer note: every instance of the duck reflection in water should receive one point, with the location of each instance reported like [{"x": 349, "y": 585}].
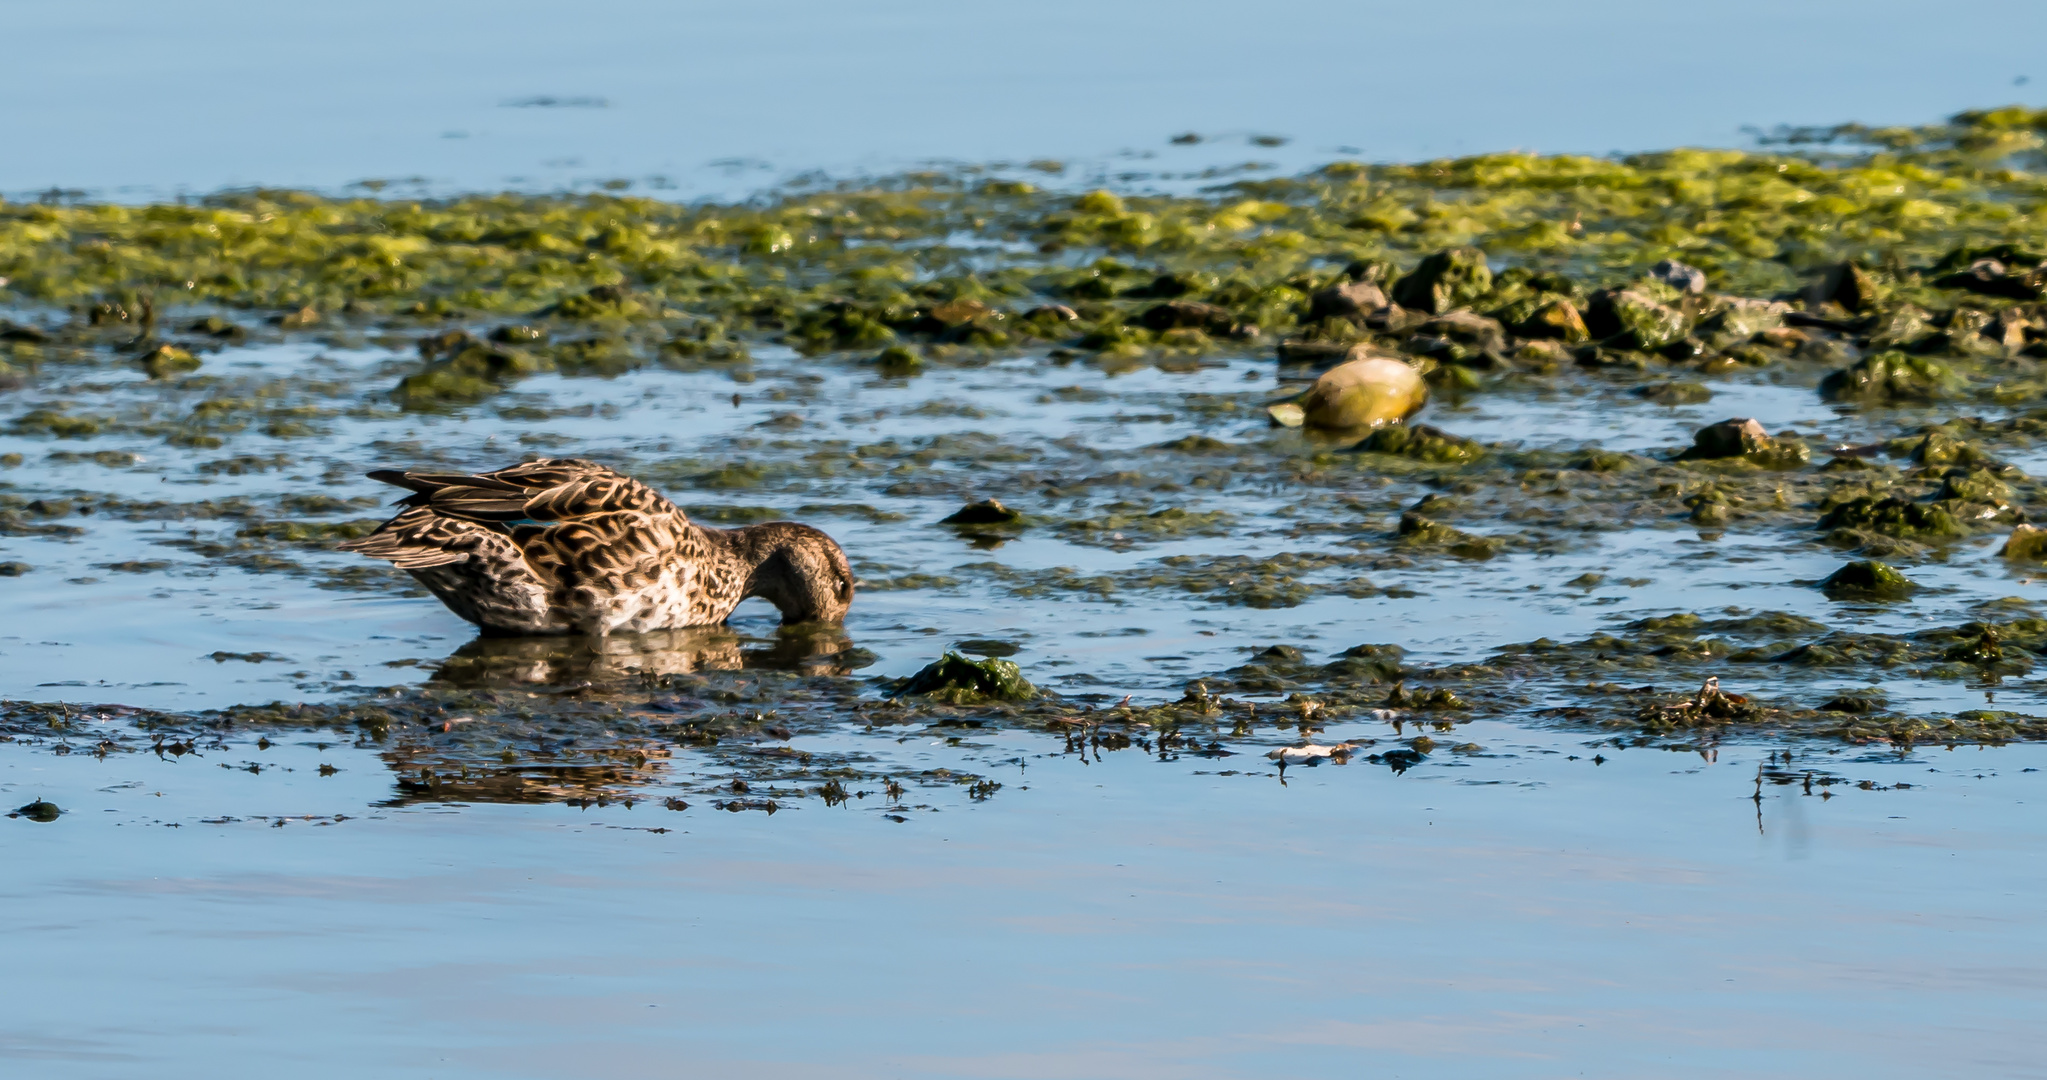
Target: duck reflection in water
[{"x": 596, "y": 661}]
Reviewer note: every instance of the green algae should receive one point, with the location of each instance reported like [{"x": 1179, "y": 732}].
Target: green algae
[
  {"x": 1891, "y": 377},
  {"x": 1422, "y": 442},
  {"x": 1866, "y": 579},
  {"x": 957, "y": 680}
]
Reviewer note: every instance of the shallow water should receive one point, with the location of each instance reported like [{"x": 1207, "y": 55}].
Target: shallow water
[
  {"x": 126, "y": 611},
  {"x": 693, "y": 99},
  {"x": 1531, "y": 910}
]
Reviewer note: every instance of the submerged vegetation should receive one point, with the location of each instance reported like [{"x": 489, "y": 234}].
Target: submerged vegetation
[{"x": 1897, "y": 278}]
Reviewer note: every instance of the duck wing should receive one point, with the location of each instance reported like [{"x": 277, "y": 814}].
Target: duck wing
[
  {"x": 419, "y": 538},
  {"x": 539, "y": 493}
]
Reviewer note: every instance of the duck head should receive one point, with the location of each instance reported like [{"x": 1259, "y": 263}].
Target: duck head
[{"x": 798, "y": 569}]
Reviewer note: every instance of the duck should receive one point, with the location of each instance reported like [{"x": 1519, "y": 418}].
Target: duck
[{"x": 568, "y": 546}]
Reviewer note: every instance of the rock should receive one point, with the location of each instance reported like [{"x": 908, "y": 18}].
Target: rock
[
  {"x": 1675, "y": 393},
  {"x": 14, "y": 331},
  {"x": 959, "y": 681},
  {"x": 1365, "y": 392},
  {"x": 1460, "y": 338},
  {"x": 1866, "y": 579},
  {"x": 214, "y": 326},
  {"x": 2028, "y": 542},
  {"x": 1892, "y": 516},
  {"x": 1677, "y": 275},
  {"x": 1940, "y": 448},
  {"x": 165, "y": 361},
  {"x": 1846, "y": 284},
  {"x": 1980, "y": 491},
  {"x": 1445, "y": 280},
  {"x": 518, "y": 334},
  {"x": 1891, "y": 377},
  {"x": 953, "y": 313},
  {"x": 1352, "y": 300},
  {"x": 298, "y": 320},
  {"x": 1993, "y": 277},
  {"x": 1740, "y": 319},
  {"x": 1631, "y": 319},
  {"x": 985, "y": 512},
  {"x": 1052, "y": 313},
  {"x": 599, "y": 302},
  {"x": 1292, "y": 351},
  {"x": 1418, "y": 531},
  {"x": 1422, "y": 443},
  {"x": 1169, "y": 287},
  {"x": 1783, "y": 337},
  {"x": 1983, "y": 648},
  {"x": 898, "y": 361},
  {"x": 1188, "y": 315},
  {"x": 1745, "y": 438},
  {"x": 1556, "y": 320},
  {"x": 1859, "y": 703},
  {"x": 14, "y": 569},
  {"x": 38, "y": 810},
  {"x": 1368, "y": 663}
]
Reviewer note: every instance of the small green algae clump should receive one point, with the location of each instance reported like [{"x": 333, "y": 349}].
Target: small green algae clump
[
  {"x": 1422, "y": 442},
  {"x": 38, "y": 810},
  {"x": 1866, "y": 579},
  {"x": 1893, "y": 517},
  {"x": 956, "y": 680}
]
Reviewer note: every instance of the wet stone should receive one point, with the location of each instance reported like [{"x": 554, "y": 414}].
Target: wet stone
[
  {"x": 2026, "y": 542},
  {"x": 1444, "y": 281},
  {"x": 985, "y": 512},
  {"x": 1745, "y": 438},
  {"x": 1891, "y": 377},
  {"x": 1867, "y": 579}
]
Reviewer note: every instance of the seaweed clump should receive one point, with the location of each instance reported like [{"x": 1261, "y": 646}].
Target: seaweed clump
[
  {"x": 1867, "y": 578},
  {"x": 956, "y": 680}
]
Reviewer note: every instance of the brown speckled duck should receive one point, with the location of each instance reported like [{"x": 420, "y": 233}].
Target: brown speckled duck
[{"x": 570, "y": 547}]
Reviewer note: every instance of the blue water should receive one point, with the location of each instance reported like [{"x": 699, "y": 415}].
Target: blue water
[{"x": 689, "y": 98}]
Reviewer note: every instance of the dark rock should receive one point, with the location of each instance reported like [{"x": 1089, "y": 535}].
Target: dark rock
[
  {"x": 1352, "y": 300},
  {"x": 1745, "y": 438},
  {"x": 985, "y": 512},
  {"x": 38, "y": 810},
  {"x": 1188, "y": 315},
  {"x": 1846, "y": 284},
  {"x": 1993, "y": 277},
  {"x": 1890, "y": 377},
  {"x": 1556, "y": 320},
  {"x": 1866, "y": 579},
  {"x": 1446, "y": 280}
]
